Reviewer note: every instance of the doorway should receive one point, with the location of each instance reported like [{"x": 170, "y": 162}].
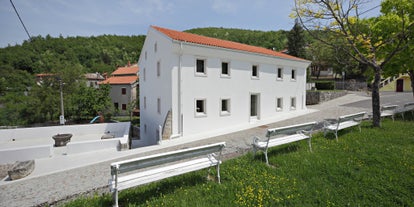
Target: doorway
[
  {"x": 400, "y": 85},
  {"x": 254, "y": 106}
]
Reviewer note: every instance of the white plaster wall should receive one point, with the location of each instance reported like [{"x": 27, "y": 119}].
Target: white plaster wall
[
  {"x": 154, "y": 87},
  {"x": 213, "y": 87},
  {"x": 119, "y": 129}
]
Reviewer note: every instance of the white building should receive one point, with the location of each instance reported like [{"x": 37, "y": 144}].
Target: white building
[{"x": 192, "y": 86}]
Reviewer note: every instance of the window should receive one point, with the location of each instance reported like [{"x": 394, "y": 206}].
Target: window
[
  {"x": 293, "y": 74},
  {"x": 145, "y": 102},
  {"x": 200, "y": 107},
  {"x": 145, "y": 55},
  {"x": 225, "y": 107},
  {"x": 155, "y": 47},
  {"x": 145, "y": 74},
  {"x": 124, "y": 107},
  {"x": 225, "y": 69},
  {"x": 123, "y": 91},
  {"x": 280, "y": 73},
  {"x": 279, "y": 104},
  {"x": 158, "y": 69},
  {"x": 293, "y": 103},
  {"x": 200, "y": 67},
  {"x": 159, "y": 105},
  {"x": 116, "y": 105},
  {"x": 145, "y": 128},
  {"x": 255, "y": 71}
]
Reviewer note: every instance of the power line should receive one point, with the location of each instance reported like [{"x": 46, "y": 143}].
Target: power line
[
  {"x": 363, "y": 11},
  {"x": 27, "y": 32}
]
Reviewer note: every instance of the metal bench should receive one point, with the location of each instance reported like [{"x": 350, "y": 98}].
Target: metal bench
[
  {"x": 343, "y": 122},
  {"x": 389, "y": 110},
  {"x": 283, "y": 135},
  {"x": 407, "y": 107},
  {"x": 144, "y": 170}
]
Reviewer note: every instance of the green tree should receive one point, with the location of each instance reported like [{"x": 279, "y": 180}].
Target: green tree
[
  {"x": 373, "y": 42},
  {"x": 296, "y": 41}
]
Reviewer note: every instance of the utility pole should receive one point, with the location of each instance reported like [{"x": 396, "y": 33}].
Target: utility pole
[{"x": 62, "y": 110}]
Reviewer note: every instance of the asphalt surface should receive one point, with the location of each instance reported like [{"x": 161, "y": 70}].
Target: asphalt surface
[{"x": 61, "y": 186}]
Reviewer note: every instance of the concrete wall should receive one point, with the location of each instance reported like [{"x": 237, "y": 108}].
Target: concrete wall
[
  {"x": 46, "y": 133},
  {"x": 25, "y": 153}
]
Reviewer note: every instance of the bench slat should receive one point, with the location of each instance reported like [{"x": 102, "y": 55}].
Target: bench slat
[
  {"x": 168, "y": 157},
  {"x": 156, "y": 174},
  {"x": 343, "y": 122}
]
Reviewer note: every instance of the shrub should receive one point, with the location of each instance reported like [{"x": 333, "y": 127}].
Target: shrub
[{"x": 325, "y": 85}]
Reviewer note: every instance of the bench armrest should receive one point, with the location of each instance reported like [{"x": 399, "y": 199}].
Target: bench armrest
[
  {"x": 256, "y": 140},
  {"x": 327, "y": 122}
]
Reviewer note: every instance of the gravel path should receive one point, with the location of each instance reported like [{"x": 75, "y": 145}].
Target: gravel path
[{"x": 59, "y": 187}]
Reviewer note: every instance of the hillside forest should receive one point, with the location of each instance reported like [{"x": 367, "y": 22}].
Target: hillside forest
[{"x": 23, "y": 102}]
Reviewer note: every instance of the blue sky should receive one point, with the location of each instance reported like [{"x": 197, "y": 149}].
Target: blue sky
[{"x": 133, "y": 17}]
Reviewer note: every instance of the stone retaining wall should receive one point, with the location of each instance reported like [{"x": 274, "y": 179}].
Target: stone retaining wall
[{"x": 315, "y": 97}]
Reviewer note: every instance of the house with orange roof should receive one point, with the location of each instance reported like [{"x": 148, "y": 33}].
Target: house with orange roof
[
  {"x": 124, "y": 86},
  {"x": 194, "y": 86}
]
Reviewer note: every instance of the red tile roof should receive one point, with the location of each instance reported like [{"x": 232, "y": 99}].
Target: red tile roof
[
  {"x": 120, "y": 80},
  {"x": 203, "y": 40},
  {"x": 131, "y": 70}
]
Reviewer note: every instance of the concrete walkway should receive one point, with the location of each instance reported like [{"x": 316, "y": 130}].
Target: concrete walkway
[{"x": 54, "y": 180}]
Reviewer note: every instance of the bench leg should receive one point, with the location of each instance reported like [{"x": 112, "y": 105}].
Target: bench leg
[
  {"x": 115, "y": 197},
  {"x": 310, "y": 144},
  {"x": 336, "y": 135},
  {"x": 218, "y": 173},
  {"x": 267, "y": 159}
]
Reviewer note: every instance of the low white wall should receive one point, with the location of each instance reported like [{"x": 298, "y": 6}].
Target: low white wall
[
  {"x": 89, "y": 146},
  {"x": 25, "y": 153},
  {"x": 45, "y": 133}
]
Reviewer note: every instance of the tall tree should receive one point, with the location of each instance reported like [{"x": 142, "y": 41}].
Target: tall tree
[
  {"x": 296, "y": 41},
  {"x": 372, "y": 42}
]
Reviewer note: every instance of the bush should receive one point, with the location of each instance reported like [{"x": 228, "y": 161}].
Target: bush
[{"x": 325, "y": 85}]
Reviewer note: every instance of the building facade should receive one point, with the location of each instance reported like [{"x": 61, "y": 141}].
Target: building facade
[
  {"x": 191, "y": 85},
  {"x": 124, "y": 87}
]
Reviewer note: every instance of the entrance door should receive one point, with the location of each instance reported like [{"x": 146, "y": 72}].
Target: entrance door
[
  {"x": 254, "y": 106},
  {"x": 400, "y": 85}
]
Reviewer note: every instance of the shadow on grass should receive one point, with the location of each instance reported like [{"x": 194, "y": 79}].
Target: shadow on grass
[
  {"x": 275, "y": 151},
  {"x": 141, "y": 194}
]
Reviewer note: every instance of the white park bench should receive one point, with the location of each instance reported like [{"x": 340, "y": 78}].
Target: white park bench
[
  {"x": 389, "y": 110},
  {"x": 407, "y": 107},
  {"x": 283, "y": 135},
  {"x": 343, "y": 122},
  {"x": 144, "y": 170}
]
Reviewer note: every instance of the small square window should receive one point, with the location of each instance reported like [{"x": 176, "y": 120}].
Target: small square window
[
  {"x": 144, "y": 74},
  {"x": 293, "y": 74},
  {"x": 279, "y": 73},
  {"x": 155, "y": 47},
  {"x": 293, "y": 103},
  {"x": 200, "y": 107},
  {"x": 123, "y": 91},
  {"x": 255, "y": 71},
  {"x": 225, "y": 69},
  {"x": 124, "y": 107},
  {"x": 200, "y": 67},
  {"x": 145, "y": 128},
  {"x": 279, "y": 104},
  {"x": 116, "y": 105},
  {"x": 146, "y": 55},
  {"x": 225, "y": 107},
  {"x": 145, "y": 102}
]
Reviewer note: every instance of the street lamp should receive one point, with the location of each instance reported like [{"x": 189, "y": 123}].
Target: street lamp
[{"x": 62, "y": 110}]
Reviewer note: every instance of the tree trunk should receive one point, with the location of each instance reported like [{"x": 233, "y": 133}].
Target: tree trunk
[
  {"x": 376, "y": 113},
  {"x": 411, "y": 74}
]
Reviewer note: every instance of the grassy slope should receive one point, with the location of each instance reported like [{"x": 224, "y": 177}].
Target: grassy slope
[{"x": 371, "y": 168}]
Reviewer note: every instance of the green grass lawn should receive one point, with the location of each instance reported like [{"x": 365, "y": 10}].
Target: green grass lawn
[{"x": 371, "y": 168}]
